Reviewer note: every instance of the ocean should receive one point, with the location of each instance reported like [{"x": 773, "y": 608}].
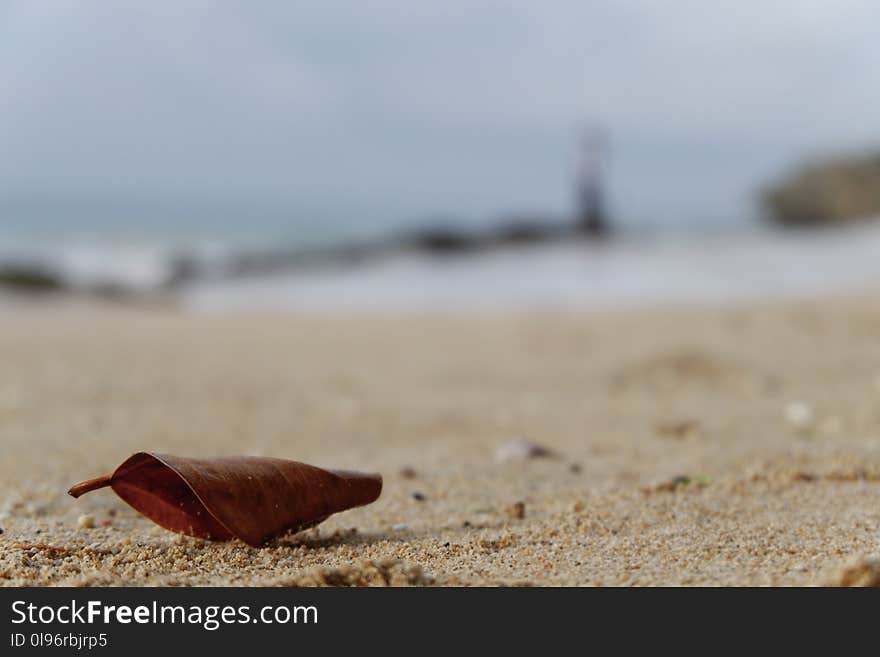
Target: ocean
[
  {"x": 136, "y": 245},
  {"x": 268, "y": 260}
]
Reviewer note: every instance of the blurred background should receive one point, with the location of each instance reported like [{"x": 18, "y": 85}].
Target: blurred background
[{"x": 282, "y": 154}]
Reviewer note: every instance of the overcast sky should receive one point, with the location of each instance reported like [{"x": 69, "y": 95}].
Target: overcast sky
[{"x": 443, "y": 106}]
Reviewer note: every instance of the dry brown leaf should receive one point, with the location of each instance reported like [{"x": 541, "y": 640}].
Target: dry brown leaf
[{"x": 244, "y": 497}]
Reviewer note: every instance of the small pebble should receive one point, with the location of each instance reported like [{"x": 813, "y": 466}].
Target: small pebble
[
  {"x": 517, "y": 511},
  {"x": 575, "y": 468},
  {"x": 832, "y": 425},
  {"x": 419, "y": 497},
  {"x": 1, "y": 530},
  {"x": 399, "y": 528},
  {"x": 408, "y": 473},
  {"x": 799, "y": 415},
  {"x": 674, "y": 484},
  {"x": 679, "y": 429},
  {"x": 522, "y": 450},
  {"x": 85, "y": 521}
]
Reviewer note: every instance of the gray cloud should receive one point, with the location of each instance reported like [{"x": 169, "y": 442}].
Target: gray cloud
[{"x": 434, "y": 106}]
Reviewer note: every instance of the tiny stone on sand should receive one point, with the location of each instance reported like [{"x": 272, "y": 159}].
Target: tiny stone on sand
[
  {"x": 862, "y": 572},
  {"x": 517, "y": 511},
  {"x": 85, "y": 521},
  {"x": 832, "y": 425},
  {"x": 679, "y": 429},
  {"x": 799, "y": 415},
  {"x": 522, "y": 450}
]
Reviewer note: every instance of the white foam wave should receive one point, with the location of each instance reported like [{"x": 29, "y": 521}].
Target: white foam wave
[{"x": 757, "y": 265}]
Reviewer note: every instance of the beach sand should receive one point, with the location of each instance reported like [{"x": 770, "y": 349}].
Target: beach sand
[{"x": 735, "y": 445}]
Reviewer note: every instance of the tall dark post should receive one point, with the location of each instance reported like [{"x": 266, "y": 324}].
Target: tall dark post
[{"x": 591, "y": 218}]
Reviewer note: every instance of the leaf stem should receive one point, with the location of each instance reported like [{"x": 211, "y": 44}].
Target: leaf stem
[{"x": 90, "y": 485}]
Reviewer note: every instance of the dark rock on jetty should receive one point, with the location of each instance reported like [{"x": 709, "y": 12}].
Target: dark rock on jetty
[
  {"x": 30, "y": 280},
  {"x": 449, "y": 240},
  {"x": 442, "y": 240}
]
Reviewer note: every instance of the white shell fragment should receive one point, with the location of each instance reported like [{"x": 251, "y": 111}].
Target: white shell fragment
[{"x": 800, "y": 416}]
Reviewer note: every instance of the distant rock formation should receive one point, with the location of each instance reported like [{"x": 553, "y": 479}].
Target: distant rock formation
[{"x": 825, "y": 192}]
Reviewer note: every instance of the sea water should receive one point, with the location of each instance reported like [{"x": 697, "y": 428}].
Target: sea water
[{"x": 138, "y": 251}]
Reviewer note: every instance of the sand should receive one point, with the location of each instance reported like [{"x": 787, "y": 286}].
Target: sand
[{"x": 734, "y": 445}]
